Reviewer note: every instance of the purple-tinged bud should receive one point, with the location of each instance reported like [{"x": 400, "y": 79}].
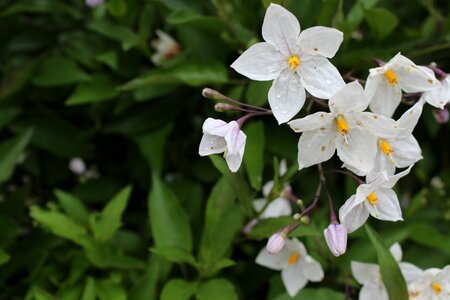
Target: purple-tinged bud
[
  {"x": 276, "y": 242},
  {"x": 336, "y": 238},
  {"x": 211, "y": 94},
  {"x": 93, "y": 3},
  {"x": 222, "y": 107},
  {"x": 441, "y": 115}
]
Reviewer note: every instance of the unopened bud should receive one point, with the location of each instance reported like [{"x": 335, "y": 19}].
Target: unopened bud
[
  {"x": 276, "y": 242},
  {"x": 222, "y": 107},
  {"x": 211, "y": 94},
  {"x": 441, "y": 115},
  {"x": 297, "y": 216},
  {"x": 300, "y": 202},
  {"x": 336, "y": 238},
  {"x": 305, "y": 220},
  {"x": 77, "y": 166}
]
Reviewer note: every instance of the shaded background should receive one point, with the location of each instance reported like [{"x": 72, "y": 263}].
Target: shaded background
[{"x": 78, "y": 81}]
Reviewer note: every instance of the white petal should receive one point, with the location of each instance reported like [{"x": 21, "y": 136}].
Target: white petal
[
  {"x": 281, "y": 29},
  {"x": 379, "y": 125},
  {"x": 211, "y": 144},
  {"x": 216, "y": 127},
  {"x": 410, "y": 272},
  {"x": 283, "y": 167},
  {"x": 360, "y": 151},
  {"x": 235, "y": 139},
  {"x": 286, "y": 96},
  {"x": 392, "y": 180},
  {"x": 320, "y": 78},
  {"x": 353, "y": 214},
  {"x": 316, "y": 146},
  {"x": 321, "y": 40},
  {"x": 406, "y": 151},
  {"x": 412, "y": 78},
  {"x": 295, "y": 245},
  {"x": 276, "y": 261},
  {"x": 277, "y": 208},
  {"x": 311, "y": 269},
  {"x": 383, "y": 163},
  {"x": 267, "y": 188},
  {"x": 373, "y": 292},
  {"x": 293, "y": 279},
  {"x": 440, "y": 95},
  {"x": 384, "y": 98},
  {"x": 396, "y": 251},
  {"x": 387, "y": 208},
  {"x": 234, "y": 161},
  {"x": 365, "y": 273},
  {"x": 311, "y": 122},
  {"x": 350, "y": 98},
  {"x": 258, "y": 204},
  {"x": 260, "y": 62},
  {"x": 410, "y": 118}
]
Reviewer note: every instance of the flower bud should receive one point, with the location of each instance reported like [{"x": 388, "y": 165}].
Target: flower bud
[
  {"x": 77, "y": 166},
  {"x": 222, "y": 107},
  {"x": 276, "y": 242},
  {"x": 211, "y": 94},
  {"x": 336, "y": 238},
  {"x": 441, "y": 115}
]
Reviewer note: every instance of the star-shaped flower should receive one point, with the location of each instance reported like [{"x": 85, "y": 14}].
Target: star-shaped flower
[
  {"x": 219, "y": 136},
  {"x": 295, "y": 61},
  {"x": 296, "y": 266},
  {"x": 346, "y": 128},
  {"x": 376, "y": 198},
  {"x": 440, "y": 95},
  {"x": 433, "y": 284},
  {"x": 385, "y": 84}
]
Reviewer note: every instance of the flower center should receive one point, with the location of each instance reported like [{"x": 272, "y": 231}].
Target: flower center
[
  {"x": 293, "y": 62},
  {"x": 391, "y": 77},
  {"x": 437, "y": 288},
  {"x": 342, "y": 125},
  {"x": 386, "y": 148},
  {"x": 372, "y": 198},
  {"x": 293, "y": 258}
]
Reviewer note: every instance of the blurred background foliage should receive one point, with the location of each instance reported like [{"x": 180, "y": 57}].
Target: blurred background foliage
[{"x": 149, "y": 218}]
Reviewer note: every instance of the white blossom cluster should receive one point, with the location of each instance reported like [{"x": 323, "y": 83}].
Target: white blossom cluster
[{"x": 369, "y": 143}]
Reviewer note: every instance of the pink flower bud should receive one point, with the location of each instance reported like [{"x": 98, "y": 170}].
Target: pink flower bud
[
  {"x": 441, "y": 115},
  {"x": 336, "y": 238},
  {"x": 276, "y": 243}
]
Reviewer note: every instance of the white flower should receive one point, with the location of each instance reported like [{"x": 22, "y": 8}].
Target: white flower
[
  {"x": 385, "y": 84},
  {"x": 336, "y": 238},
  {"x": 278, "y": 207},
  {"x": 369, "y": 276},
  {"x": 440, "y": 95},
  {"x": 77, "y": 166},
  {"x": 296, "y": 266},
  {"x": 433, "y": 284},
  {"x": 165, "y": 48},
  {"x": 376, "y": 198},
  {"x": 346, "y": 128},
  {"x": 295, "y": 61},
  {"x": 219, "y": 136}
]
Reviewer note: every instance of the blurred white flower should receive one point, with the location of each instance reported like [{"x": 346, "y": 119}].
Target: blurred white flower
[
  {"x": 165, "y": 47},
  {"x": 219, "y": 136},
  {"x": 385, "y": 84},
  {"x": 376, "y": 198},
  {"x": 432, "y": 284},
  {"x": 346, "y": 128},
  {"x": 440, "y": 95},
  {"x": 336, "y": 238},
  {"x": 296, "y": 266},
  {"x": 441, "y": 115},
  {"x": 295, "y": 61},
  {"x": 93, "y": 3},
  {"x": 77, "y": 166}
]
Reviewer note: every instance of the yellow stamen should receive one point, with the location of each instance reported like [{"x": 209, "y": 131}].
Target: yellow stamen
[
  {"x": 391, "y": 77},
  {"x": 293, "y": 258},
  {"x": 372, "y": 198},
  {"x": 437, "y": 288},
  {"x": 386, "y": 148},
  {"x": 293, "y": 62},
  {"x": 342, "y": 127}
]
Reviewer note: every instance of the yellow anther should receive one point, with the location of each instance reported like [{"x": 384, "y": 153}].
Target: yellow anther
[
  {"x": 293, "y": 62},
  {"x": 391, "y": 77},
  {"x": 293, "y": 258},
  {"x": 372, "y": 198},
  {"x": 437, "y": 288},
  {"x": 386, "y": 148},
  {"x": 342, "y": 127}
]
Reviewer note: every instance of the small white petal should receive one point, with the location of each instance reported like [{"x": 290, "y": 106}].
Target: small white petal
[
  {"x": 410, "y": 118},
  {"x": 414, "y": 79},
  {"x": 321, "y": 40},
  {"x": 353, "y": 214},
  {"x": 387, "y": 208},
  {"x": 260, "y": 62},
  {"x": 410, "y": 272},
  {"x": 211, "y": 144},
  {"x": 277, "y": 208},
  {"x": 281, "y": 29},
  {"x": 316, "y": 146},
  {"x": 396, "y": 251},
  {"x": 350, "y": 98},
  {"x": 276, "y": 261},
  {"x": 320, "y": 78},
  {"x": 384, "y": 163},
  {"x": 378, "y": 125},
  {"x": 293, "y": 279},
  {"x": 216, "y": 127},
  {"x": 364, "y": 273},
  {"x": 311, "y": 269},
  {"x": 311, "y": 122},
  {"x": 406, "y": 151},
  {"x": 440, "y": 95},
  {"x": 286, "y": 96},
  {"x": 392, "y": 180},
  {"x": 235, "y": 139},
  {"x": 384, "y": 98},
  {"x": 373, "y": 292}
]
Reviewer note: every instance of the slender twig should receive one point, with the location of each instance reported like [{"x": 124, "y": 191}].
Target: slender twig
[
  {"x": 354, "y": 177},
  {"x": 333, "y": 218}
]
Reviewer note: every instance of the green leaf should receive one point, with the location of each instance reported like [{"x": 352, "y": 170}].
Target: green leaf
[
  {"x": 110, "y": 290},
  {"x": 41, "y": 6},
  {"x": 222, "y": 197},
  {"x": 314, "y": 294},
  {"x": 381, "y": 21},
  {"x": 117, "y": 8},
  {"x": 58, "y": 70},
  {"x": 257, "y": 92},
  {"x": 185, "y": 16},
  {"x": 109, "y": 58},
  {"x": 7, "y": 114},
  {"x": 73, "y": 207},
  {"x": 152, "y": 147},
  {"x": 428, "y": 235},
  {"x": 41, "y": 294},
  {"x": 389, "y": 269},
  {"x": 4, "y": 257},
  {"x": 106, "y": 224},
  {"x": 116, "y": 32},
  {"x": 168, "y": 221},
  {"x": 98, "y": 90},
  {"x": 266, "y": 227},
  {"x": 175, "y": 255},
  {"x": 254, "y": 153},
  {"x": 13, "y": 82},
  {"x": 10, "y": 152},
  {"x": 217, "y": 289},
  {"x": 330, "y": 13},
  {"x": 178, "y": 289},
  {"x": 89, "y": 290}
]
